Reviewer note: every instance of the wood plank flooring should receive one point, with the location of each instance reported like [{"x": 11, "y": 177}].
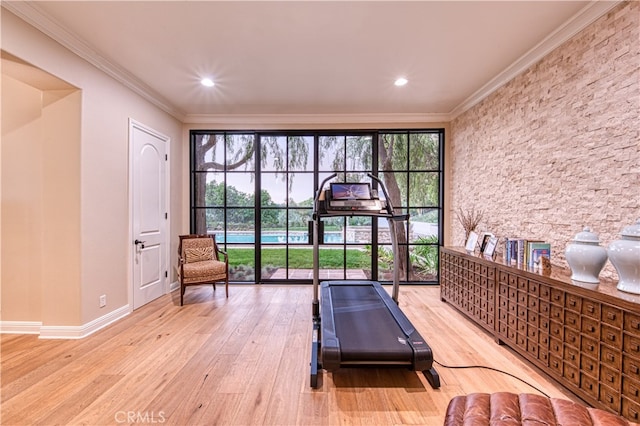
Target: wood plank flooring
[{"x": 244, "y": 361}]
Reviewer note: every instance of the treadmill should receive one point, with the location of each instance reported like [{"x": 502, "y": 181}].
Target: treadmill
[{"x": 356, "y": 323}]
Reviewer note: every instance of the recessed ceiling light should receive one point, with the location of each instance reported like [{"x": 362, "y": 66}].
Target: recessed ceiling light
[
  {"x": 207, "y": 82},
  {"x": 401, "y": 81}
]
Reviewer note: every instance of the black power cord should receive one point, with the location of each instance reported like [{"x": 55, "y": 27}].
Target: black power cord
[{"x": 492, "y": 369}]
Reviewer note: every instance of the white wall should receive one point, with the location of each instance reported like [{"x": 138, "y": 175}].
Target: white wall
[{"x": 103, "y": 249}]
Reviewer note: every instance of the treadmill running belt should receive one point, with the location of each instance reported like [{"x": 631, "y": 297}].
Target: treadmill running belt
[{"x": 367, "y": 331}]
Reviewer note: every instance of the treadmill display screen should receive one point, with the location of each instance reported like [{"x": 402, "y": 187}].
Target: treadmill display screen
[{"x": 351, "y": 191}]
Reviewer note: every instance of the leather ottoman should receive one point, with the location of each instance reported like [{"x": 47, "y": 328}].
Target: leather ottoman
[{"x": 507, "y": 409}]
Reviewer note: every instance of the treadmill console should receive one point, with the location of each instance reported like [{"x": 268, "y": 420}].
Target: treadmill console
[{"x": 352, "y": 197}]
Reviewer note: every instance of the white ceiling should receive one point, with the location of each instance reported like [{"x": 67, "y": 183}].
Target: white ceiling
[{"x": 312, "y": 57}]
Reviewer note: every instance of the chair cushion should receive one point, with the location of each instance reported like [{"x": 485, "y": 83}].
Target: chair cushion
[
  {"x": 205, "y": 271},
  {"x": 198, "y": 254}
]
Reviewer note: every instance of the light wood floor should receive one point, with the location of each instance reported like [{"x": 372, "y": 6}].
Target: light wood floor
[{"x": 243, "y": 361}]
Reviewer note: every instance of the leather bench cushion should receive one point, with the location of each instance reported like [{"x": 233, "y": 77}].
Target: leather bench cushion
[{"x": 507, "y": 409}]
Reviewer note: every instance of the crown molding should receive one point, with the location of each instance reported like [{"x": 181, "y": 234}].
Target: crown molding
[
  {"x": 577, "y": 23},
  {"x": 36, "y": 17},
  {"x": 257, "y": 120}
]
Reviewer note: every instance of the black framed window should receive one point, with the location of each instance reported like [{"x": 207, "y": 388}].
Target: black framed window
[{"x": 254, "y": 191}]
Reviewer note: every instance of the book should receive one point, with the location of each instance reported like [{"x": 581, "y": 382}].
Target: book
[
  {"x": 539, "y": 250},
  {"x": 527, "y": 254}
]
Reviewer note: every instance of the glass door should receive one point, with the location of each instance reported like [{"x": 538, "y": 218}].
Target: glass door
[{"x": 286, "y": 205}]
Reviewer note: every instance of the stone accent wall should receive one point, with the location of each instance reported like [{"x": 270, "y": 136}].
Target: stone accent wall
[{"x": 558, "y": 147}]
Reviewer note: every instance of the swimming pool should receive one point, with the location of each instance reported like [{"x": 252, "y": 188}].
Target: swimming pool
[{"x": 276, "y": 237}]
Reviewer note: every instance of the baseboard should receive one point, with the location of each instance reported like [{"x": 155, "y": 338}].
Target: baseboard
[
  {"x": 62, "y": 331},
  {"x": 79, "y": 332},
  {"x": 20, "y": 327}
]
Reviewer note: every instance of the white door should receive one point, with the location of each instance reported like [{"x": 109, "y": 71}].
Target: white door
[{"x": 149, "y": 213}]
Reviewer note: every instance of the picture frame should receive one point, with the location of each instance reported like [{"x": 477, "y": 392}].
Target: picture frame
[
  {"x": 484, "y": 240},
  {"x": 472, "y": 241},
  {"x": 490, "y": 248}
]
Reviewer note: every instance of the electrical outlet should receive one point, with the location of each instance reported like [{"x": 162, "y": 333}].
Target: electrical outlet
[{"x": 103, "y": 300}]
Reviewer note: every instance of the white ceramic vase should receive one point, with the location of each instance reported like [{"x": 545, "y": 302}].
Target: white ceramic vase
[
  {"x": 586, "y": 257},
  {"x": 625, "y": 257}
]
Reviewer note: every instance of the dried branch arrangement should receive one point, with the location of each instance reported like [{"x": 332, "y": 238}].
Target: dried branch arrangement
[{"x": 469, "y": 219}]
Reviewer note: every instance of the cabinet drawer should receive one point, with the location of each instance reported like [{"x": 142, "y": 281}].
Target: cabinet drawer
[
  {"x": 631, "y": 409},
  {"x": 534, "y": 288},
  {"x": 522, "y": 283},
  {"x": 632, "y": 323},
  {"x": 610, "y": 357},
  {"x": 589, "y": 346},
  {"x": 491, "y": 273},
  {"x": 611, "y": 336},
  {"x": 609, "y": 376},
  {"x": 589, "y": 365},
  {"x": 589, "y": 385},
  {"x": 545, "y": 292},
  {"x": 590, "y": 327},
  {"x": 572, "y": 320},
  {"x": 556, "y": 330},
  {"x": 544, "y": 324},
  {"x": 555, "y": 347},
  {"x": 555, "y": 364},
  {"x": 503, "y": 290},
  {"x": 612, "y": 316},
  {"x": 543, "y": 339},
  {"x": 573, "y": 302},
  {"x": 631, "y": 388},
  {"x": 557, "y": 296},
  {"x": 502, "y": 315},
  {"x": 556, "y": 313},
  {"x": 522, "y": 312},
  {"x": 572, "y": 355},
  {"x": 610, "y": 398},
  {"x": 631, "y": 345},
  {"x": 545, "y": 307},
  {"x": 591, "y": 309},
  {"x": 631, "y": 366},
  {"x": 571, "y": 337},
  {"x": 532, "y": 333},
  {"x": 572, "y": 374}
]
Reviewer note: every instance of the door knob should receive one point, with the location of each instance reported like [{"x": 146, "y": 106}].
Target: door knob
[{"x": 136, "y": 242}]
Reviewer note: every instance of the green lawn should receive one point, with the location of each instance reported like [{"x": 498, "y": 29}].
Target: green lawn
[{"x": 300, "y": 258}]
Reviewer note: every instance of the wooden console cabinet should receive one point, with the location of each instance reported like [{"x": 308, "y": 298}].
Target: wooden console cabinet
[{"x": 588, "y": 339}]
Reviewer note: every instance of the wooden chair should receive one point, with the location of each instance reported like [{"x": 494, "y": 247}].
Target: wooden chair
[{"x": 200, "y": 262}]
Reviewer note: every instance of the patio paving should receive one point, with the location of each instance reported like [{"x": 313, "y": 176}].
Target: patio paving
[{"x": 325, "y": 274}]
